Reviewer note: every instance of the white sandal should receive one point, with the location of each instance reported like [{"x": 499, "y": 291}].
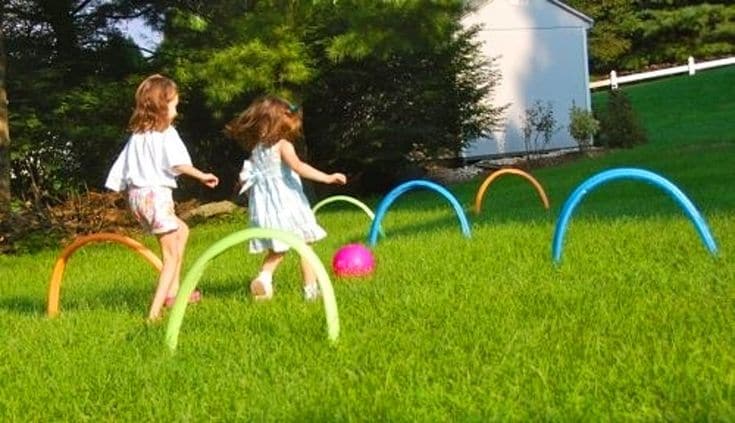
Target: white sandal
[
  {"x": 260, "y": 290},
  {"x": 312, "y": 292}
]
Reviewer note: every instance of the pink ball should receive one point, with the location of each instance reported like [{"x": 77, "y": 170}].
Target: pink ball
[{"x": 353, "y": 260}]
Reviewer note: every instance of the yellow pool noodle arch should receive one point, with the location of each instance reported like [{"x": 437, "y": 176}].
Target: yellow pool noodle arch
[
  {"x": 52, "y": 308},
  {"x": 508, "y": 171}
]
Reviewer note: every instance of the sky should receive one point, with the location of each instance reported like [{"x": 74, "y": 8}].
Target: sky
[{"x": 142, "y": 34}]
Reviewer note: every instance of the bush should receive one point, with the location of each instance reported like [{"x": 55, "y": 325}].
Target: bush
[
  {"x": 620, "y": 126},
  {"x": 539, "y": 124},
  {"x": 380, "y": 119},
  {"x": 582, "y": 126}
]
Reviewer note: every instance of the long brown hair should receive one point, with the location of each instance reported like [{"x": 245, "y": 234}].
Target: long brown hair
[
  {"x": 151, "y": 104},
  {"x": 268, "y": 119}
]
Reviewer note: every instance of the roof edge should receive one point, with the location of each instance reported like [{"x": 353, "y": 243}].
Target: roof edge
[
  {"x": 573, "y": 11},
  {"x": 477, "y": 3}
]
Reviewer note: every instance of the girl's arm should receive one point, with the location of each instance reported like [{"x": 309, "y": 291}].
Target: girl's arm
[
  {"x": 207, "y": 179},
  {"x": 288, "y": 155}
]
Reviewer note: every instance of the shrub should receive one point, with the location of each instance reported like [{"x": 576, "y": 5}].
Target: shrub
[
  {"x": 582, "y": 126},
  {"x": 620, "y": 126},
  {"x": 539, "y": 124},
  {"x": 378, "y": 118}
]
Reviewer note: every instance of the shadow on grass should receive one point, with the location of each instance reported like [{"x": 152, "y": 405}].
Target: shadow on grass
[
  {"x": 612, "y": 205},
  {"x": 230, "y": 288},
  {"x": 134, "y": 301},
  {"x": 128, "y": 299},
  {"x": 24, "y": 305},
  {"x": 426, "y": 225},
  {"x": 138, "y": 300}
]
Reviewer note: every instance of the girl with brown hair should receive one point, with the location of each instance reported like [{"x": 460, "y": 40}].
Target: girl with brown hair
[
  {"x": 268, "y": 128},
  {"x": 147, "y": 169}
]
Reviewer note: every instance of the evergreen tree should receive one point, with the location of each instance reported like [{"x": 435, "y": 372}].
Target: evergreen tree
[
  {"x": 630, "y": 35},
  {"x": 67, "y": 71},
  {"x": 620, "y": 125},
  {"x": 382, "y": 83}
]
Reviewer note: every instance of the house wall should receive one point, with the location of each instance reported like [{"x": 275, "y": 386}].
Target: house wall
[{"x": 541, "y": 52}]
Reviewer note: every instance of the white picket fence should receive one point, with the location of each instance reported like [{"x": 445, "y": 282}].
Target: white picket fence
[{"x": 614, "y": 81}]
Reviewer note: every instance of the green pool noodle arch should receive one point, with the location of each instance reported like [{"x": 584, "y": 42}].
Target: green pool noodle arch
[
  {"x": 197, "y": 270},
  {"x": 351, "y": 200}
]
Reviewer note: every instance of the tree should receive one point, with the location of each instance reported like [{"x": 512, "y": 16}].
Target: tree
[
  {"x": 382, "y": 83},
  {"x": 630, "y": 35},
  {"x": 620, "y": 125},
  {"x": 672, "y": 35},
  {"x": 69, "y": 71},
  {"x": 610, "y": 37},
  {"x": 4, "y": 133},
  {"x": 397, "y": 113},
  {"x": 392, "y": 81}
]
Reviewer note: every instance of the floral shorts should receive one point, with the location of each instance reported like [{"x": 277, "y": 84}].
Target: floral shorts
[{"x": 153, "y": 208}]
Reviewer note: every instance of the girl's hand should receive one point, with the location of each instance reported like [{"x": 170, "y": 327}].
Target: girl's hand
[
  {"x": 209, "y": 179},
  {"x": 288, "y": 155},
  {"x": 337, "y": 178}
]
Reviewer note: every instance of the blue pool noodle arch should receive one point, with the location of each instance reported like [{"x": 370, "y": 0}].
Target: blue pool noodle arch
[
  {"x": 629, "y": 173},
  {"x": 407, "y": 186}
]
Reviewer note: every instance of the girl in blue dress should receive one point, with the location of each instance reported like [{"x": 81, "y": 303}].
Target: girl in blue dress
[{"x": 268, "y": 128}]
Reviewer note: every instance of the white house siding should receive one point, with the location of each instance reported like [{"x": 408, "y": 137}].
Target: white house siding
[{"x": 541, "y": 50}]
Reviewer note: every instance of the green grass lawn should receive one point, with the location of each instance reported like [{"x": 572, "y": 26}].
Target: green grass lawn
[
  {"x": 685, "y": 109},
  {"x": 637, "y": 323}
]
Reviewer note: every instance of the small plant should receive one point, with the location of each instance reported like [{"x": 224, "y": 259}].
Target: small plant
[
  {"x": 539, "y": 124},
  {"x": 620, "y": 126},
  {"x": 582, "y": 126}
]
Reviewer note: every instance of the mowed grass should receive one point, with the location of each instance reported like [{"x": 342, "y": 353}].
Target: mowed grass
[
  {"x": 684, "y": 109},
  {"x": 635, "y": 324}
]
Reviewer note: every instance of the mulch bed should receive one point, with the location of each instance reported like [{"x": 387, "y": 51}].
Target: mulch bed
[
  {"x": 449, "y": 175},
  {"x": 88, "y": 213}
]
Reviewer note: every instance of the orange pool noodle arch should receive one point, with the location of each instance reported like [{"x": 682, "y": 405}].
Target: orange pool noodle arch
[
  {"x": 508, "y": 171},
  {"x": 52, "y": 305}
]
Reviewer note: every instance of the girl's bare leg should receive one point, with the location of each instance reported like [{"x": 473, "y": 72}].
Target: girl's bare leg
[
  {"x": 271, "y": 261},
  {"x": 182, "y": 236},
  {"x": 171, "y": 264},
  {"x": 308, "y": 272}
]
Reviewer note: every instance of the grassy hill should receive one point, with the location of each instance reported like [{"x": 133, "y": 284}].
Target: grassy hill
[{"x": 684, "y": 109}]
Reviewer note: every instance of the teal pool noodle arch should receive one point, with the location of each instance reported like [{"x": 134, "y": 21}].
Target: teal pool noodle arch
[
  {"x": 636, "y": 174},
  {"x": 197, "y": 270},
  {"x": 390, "y": 198}
]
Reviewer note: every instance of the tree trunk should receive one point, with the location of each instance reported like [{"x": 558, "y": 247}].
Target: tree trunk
[{"x": 4, "y": 135}]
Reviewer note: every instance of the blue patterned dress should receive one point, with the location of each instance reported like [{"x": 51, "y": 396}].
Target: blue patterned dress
[{"x": 277, "y": 200}]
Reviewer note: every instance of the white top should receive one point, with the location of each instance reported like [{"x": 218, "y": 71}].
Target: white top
[{"x": 148, "y": 159}]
